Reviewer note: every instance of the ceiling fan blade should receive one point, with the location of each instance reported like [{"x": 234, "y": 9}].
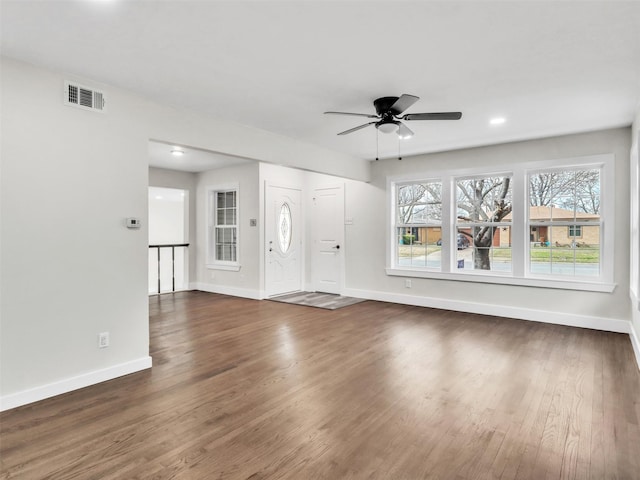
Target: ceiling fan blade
[
  {"x": 354, "y": 114},
  {"x": 404, "y": 131},
  {"x": 356, "y": 128},
  {"x": 404, "y": 102},
  {"x": 433, "y": 116}
]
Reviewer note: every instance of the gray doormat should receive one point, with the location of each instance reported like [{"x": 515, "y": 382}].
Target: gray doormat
[{"x": 319, "y": 300}]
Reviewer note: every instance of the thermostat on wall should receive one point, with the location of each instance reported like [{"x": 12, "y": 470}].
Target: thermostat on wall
[{"x": 133, "y": 222}]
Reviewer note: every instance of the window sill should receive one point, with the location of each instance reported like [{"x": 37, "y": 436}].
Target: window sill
[
  {"x": 221, "y": 266},
  {"x": 502, "y": 279}
]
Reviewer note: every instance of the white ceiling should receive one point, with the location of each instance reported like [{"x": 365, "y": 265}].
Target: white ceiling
[
  {"x": 548, "y": 67},
  {"x": 193, "y": 160}
]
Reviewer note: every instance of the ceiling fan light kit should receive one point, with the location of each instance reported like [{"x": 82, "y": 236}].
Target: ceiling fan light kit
[
  {"x": 387, "y": 127},
  {"x": 388, "y": 111}
]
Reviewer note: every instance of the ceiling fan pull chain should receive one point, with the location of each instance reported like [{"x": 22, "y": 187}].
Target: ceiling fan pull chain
[
  {"x": 377, "y": 145},
  {"x": 399, "y": 142}
]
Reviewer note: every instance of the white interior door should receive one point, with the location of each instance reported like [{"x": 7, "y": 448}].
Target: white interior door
[
  {"x": 328, "y": 239},
  {"x": 283, "y": 236}
]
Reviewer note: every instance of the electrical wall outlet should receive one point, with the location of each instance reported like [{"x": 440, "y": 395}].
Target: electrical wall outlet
[
  {"x": 103, "y": 340},
  {"x": 407, "y": 283}
]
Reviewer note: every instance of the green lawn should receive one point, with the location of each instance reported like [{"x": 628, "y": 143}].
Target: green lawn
[
  {"x": 582, "y": 255},
  {"x": 556, "y": 255}
]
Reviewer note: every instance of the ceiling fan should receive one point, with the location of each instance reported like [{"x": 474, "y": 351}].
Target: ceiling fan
[{"x": 388, "y": 111}]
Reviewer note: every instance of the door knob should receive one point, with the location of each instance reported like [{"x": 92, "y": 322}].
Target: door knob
[{"x": 337, "y": 247}]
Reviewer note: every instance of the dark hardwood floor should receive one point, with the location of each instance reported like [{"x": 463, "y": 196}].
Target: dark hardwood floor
[{"x": 244, "y": 389}]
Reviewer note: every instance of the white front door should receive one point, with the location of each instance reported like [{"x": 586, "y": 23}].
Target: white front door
[
  {"x": 328, "y": 239},
  {"x": 283, "y": 237}
]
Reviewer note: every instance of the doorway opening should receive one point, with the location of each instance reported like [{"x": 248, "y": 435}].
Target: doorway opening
[{"x": 168, "y": 240}]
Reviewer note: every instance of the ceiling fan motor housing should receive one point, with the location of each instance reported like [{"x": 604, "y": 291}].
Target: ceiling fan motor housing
[{"x": 383, "y": 104}]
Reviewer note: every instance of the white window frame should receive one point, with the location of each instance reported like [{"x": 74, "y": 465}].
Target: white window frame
[
  {"x": 456, "y": 225},
  {"x": 519, "y": 274},
  {"x": 212, "y": 219},
  {"x": 415, "y": 225},
  {"x": 606, "y": 244}
]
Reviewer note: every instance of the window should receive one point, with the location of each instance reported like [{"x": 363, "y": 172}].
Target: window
[
  {"x": 418, "y": 224},
  {"x": 483, "y": 206},
  {"x": 538, "y": 224},
  {"x": 222, "y": 232},
  {"x": 564, "y": 210},
  {"x": 284, "y": 228},
  {"x": 574, "y": 231}
]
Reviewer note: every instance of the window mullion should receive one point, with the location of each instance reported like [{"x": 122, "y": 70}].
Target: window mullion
[
  {"x": 519, "y": 228},
  {"x": 448, "y": 223}
]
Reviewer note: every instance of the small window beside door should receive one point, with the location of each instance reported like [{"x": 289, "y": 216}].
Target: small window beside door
[{"x": 222, "y": 231}]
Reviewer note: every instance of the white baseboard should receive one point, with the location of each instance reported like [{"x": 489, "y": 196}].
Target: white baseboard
[
  {"x": 572, "y": 320},
  {"x": 635, "y": 342},
  {"x": 227, "y": 290},
  {"x": 74, "y": 383}
]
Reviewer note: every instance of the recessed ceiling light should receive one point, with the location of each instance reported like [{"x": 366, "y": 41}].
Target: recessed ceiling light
[
  {"x": 178, "y": 152},
  {"x": 158, "y": 197},
  {"x": 497, "y": 121}
]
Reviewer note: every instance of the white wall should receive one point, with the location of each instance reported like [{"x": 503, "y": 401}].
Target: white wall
[
  {"x": 167, "y": 222},
  {"x": 69, "y": 267},
  {"x": 365, "y": 275},
  {"x": 246, "y": 281}
]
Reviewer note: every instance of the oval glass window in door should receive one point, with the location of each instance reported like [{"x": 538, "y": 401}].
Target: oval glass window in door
[{"x": 284, "y": 228}]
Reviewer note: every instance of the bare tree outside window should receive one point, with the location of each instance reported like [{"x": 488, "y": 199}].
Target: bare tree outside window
[
  {"x": 419, "y": 224},
  {"x": 482, "y": 203},
  {"x": 568, "y": 189},
  {"x": 420, "y": 203}
]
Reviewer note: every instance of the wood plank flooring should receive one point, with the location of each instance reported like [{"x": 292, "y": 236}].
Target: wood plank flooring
[{"x": 244, "y": 389}]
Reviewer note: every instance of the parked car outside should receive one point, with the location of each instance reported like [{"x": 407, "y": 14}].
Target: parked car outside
[{"x": 463, "y": 241}]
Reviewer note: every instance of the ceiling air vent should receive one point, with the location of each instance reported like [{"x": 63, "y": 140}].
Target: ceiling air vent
[{"x": 84, "y": 97}]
